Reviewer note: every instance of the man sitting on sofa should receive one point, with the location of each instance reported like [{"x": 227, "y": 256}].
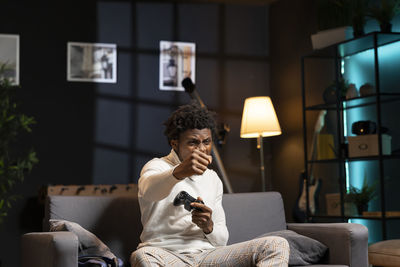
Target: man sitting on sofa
[{"x": 173, "y": 236}]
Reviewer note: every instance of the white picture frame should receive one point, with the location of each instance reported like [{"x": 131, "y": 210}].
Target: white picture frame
[
  {"x": 91, "y": 62},
  {"x": 177, "y": 62},
  {"x": 9, "y": 55}
]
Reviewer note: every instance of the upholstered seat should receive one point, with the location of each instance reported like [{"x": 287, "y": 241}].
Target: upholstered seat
[
  {"x": 116, "y": 221},
  {"x": 385, "y": 253}
]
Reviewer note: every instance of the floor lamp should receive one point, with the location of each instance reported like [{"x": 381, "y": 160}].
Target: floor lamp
[{"x": 259, "y": 120}]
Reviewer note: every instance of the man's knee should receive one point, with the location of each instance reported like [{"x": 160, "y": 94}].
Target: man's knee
[
  {"x": 154, "y": 256},
  {"x": 281, "y": 242},
  {"x": 141, "y": 256},
  {"x": 139, "y": 252},
  {"x": 276, "y": 241},
  {"x": 276, "y": 245}
]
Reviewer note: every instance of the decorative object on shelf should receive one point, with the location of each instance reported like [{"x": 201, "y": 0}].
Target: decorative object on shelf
[
  {"x": 363, "y": 127},
  {"x": 351, "y": 91},
  {"x": 367, "y": 145},
  {"x": 325, "y": 147},
  {"x": 361, "y": 197},
  {"x": 367, "y": 89},
  {"x": 259, "y": 120},
  {"x": 330, "y": 93},
  {"x": 14, "y": 163},
  {"x": 333, "y": 205},
  {"x": 366, "y": 127},
  {"x": 384, "y": 11},
  {"x": 329, "y": 37}
]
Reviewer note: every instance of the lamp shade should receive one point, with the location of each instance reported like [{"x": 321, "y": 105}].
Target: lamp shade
[{"x": 259, "y": 118}]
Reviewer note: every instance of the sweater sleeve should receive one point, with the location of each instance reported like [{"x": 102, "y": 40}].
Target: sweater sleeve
[
  {"x": 155, "y": 182},
  {"x": 219, "y": 236}
]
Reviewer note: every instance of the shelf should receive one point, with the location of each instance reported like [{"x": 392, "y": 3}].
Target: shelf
[
  {"x": 357, "y": 102},
  {"x": 347, "y": 217},
  {"x": 336, "y": 160},
  {"x": 322, "y": 107},
  {"x": 378, "y": 214},
  {"x": 356, "y": 45},
  {"x": 379, "y": 66},
  {"x": 384, "y": 157},
  {"x": 370, "y": 100}
]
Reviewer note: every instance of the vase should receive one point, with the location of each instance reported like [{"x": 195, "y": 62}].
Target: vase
[{"x": 329, "y": 95}]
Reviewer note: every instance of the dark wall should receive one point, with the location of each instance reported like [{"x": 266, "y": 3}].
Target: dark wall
[
  {"x": 104, "y": 133},
  {"x": 291, "y": 25},
  {"x": 63, "y": 135},
  {"x": 232, "y": 63}
]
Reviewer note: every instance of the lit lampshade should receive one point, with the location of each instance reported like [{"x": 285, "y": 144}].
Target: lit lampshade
[{"x": 259, "y": 118}]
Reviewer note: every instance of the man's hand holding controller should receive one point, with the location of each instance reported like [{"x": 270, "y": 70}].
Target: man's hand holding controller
[
  {"x": 201, "y": 214},
  {"x": 196, "y": 164}
]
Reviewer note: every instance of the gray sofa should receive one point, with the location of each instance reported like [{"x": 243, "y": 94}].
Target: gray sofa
[{"x": 116, "y": 221}]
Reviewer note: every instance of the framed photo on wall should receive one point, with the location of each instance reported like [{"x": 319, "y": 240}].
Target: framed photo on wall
[
  {"x": 177, "y": 62},
  {"x": 92, "y": 62},
  {"x": 9, "y": 56}
]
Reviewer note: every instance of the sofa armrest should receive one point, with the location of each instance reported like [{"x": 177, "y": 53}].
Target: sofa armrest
[
  {"x": 347, "y": 242},
  {"x": 49, "y": 249}
]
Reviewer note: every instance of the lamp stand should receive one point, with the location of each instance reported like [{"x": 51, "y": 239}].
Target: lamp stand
[{"x": 262, "y": 168}]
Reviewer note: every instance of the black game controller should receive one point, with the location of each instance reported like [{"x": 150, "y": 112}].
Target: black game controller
[{"x": 183, "y": 198}]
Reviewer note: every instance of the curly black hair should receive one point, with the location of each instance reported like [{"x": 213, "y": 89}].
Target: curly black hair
[{"x": 190, "y": 116}]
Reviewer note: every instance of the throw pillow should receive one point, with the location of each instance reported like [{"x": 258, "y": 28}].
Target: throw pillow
[
  {"x": 303, "y": 250},
  {"x": 89, "y": 244}
]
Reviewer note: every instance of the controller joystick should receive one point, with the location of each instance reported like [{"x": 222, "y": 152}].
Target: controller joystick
[{"x": 183, "y": 198}]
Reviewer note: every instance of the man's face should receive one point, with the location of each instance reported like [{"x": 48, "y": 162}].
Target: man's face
[{"x": 191, "y": 140}]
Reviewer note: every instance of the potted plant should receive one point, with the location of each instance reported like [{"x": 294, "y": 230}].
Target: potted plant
[
  {"x": 384, "y": 11},
  {"x": 361, "y": 197},
  {"x": 339, "y": 13},
  {"x": 357, "y": 12},
  {"x": 14, "y": 163}
]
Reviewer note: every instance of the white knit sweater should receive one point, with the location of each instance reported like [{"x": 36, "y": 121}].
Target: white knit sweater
[{"x": 171, "y": 227}]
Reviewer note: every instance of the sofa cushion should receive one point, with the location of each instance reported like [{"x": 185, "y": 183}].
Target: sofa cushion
[
  {"x": 89, "y": 244},
  {"x": 113, "y": 219},
  {"x": 249, "y": 215},
  {"x": 303, "y": 250}
]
